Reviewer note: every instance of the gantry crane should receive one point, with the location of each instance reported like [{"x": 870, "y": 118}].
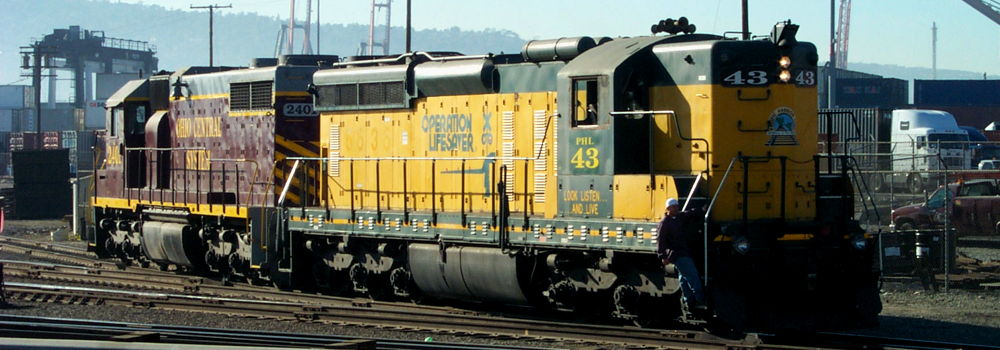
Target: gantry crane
[{"x": 989, "y": 8}]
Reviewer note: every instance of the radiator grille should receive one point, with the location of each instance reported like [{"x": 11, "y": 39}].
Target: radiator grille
[{"x": 250, "y": 96}]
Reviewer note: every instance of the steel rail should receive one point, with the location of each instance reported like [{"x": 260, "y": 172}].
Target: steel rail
[
  {"x": 44, "y": 327},
  {"x": 51, "y": 252},
  {"x": 368, "y": 316}
]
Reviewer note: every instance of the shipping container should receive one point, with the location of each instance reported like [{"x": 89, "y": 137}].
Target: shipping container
[
  {"x": 6, "y": 119},
  {"x": 41, "y": 184},
  {"x": 85, "y": 140},
  {"x": 4, "y": 141},
  {"x": 68, "y": 140},
  {"x": 871, "y": 93},
  {"x": 956, "y": 92},
  {"x": 59, "y": 119},
  {"x": 862, "y": 132},
  {"x": 4, "y": 163},
  {"x": 23, "y": 141},
  {"x": 51, "y": 140},
  {"x": 16, "y": 96},
  {"x": 24, "y": 120},
  {"x": 84, "y": 152},
  {"x": 839, "y": 74}
]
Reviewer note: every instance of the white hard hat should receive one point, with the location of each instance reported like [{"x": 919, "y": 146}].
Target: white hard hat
[{"x": 672, "y": 201}]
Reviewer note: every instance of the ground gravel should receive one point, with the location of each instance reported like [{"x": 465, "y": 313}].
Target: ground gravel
[
  {"x": 970, "y": 315},
  {"x": 149, "y": 316}
]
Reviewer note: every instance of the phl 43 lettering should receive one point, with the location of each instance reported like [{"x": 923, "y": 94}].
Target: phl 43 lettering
[{"x": 586, "y": 158}]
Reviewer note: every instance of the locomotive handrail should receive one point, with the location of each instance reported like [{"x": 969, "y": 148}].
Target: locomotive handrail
[
  {"x": 677, "y": 126},
  {"x": 288, "y": 182},
  {"x": 411, "y": 54},
  {"x": 252, "y": 181},
  {"x": 708, "y": 212},
  {"x": 407, "y": 158},
  {"x": 664, "y": 111},
  {"x": 165, "y": 148},
  {"x": 433, "y": 191},
  {"x": 691, "y": 193}
]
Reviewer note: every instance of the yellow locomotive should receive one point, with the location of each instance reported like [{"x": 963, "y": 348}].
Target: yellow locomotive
[{"x": 538, "y": 179}]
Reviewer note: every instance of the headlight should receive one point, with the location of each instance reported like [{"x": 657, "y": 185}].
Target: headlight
[
  {"x": 785, "y": 76},
  {"x": 859, "y": 242},
  {"x": 741, "y": 245},
  {"x": 785, "y": 62}
]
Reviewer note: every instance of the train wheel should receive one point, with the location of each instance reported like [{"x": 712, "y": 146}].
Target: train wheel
[
  {"x": 627, "y": 305},
  {"x": 109, "y": 247},
  {"x": 403, "y": 286}
]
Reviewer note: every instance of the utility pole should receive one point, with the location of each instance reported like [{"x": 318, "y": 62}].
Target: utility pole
[
  {"x": 408, "y": 28},
  {"x": 934, "y": 50},
  {"x": 211, "y": 28},
  {"x": 746, "y": 20},
  {"x": 831, "y": 65},
  {"x": 317, "y": 26}
]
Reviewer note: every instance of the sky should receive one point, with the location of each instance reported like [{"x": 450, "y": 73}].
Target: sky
[{"x": 882, "y": 31}]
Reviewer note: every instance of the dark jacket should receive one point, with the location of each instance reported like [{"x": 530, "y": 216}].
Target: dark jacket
[{"x": 671, "y": 237}]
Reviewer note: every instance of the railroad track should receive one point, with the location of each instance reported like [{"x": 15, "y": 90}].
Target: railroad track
[
  {"x": 364, "y": 314},
  {"x": 104, "y": 334},
  {"x": 199, "y": 294},
  {"x": 839, "y": 340},
  {"x": 53, "y": 252}
]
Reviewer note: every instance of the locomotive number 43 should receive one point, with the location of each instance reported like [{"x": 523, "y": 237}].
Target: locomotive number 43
[
  {"x": 585, "y": 157},
  {"x": 753, "y": 77},
  {"x": 760, "y": 78}
]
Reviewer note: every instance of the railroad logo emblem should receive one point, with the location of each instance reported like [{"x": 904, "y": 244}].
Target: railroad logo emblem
[{"x": 781, "y": 128}]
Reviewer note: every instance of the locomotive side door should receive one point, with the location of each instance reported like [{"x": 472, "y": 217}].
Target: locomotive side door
[{"x": 130, "y": 119}]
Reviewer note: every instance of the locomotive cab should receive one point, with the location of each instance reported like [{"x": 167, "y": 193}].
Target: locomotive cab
[{"x": 125, "y": 122}]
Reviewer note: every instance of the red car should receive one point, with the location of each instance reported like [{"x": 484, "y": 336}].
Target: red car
[{"x": 975, "y": 209}]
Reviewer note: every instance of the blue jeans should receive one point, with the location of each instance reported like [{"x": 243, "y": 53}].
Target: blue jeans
[{"x": 690, "y": 282}]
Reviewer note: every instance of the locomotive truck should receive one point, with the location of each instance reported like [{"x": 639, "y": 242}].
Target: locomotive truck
[{"x": 528, "y": 179}]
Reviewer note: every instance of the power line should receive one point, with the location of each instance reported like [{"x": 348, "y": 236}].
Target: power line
[{"x": 211, "y": 29}]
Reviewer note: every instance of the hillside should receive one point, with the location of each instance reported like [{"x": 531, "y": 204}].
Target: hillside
[
  {"x": 911, "y": 73},
  {"x": 181, "y": 37}
]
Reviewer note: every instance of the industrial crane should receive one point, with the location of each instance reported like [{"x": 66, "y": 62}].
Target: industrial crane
[
  {"x": 989, "y": 8},
  {"x": 843, "y": 34}
]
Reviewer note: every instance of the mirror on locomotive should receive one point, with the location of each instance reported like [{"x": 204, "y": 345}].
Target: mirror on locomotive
[{"x": 585, "y": 93}]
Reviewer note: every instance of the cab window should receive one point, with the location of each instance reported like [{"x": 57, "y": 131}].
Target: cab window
[
  {"x": 117, "y": 115},
  {"x": 937, "y": 199},
  {"x": 135, "y": 120},
  {"x": 586, "y": 102}
]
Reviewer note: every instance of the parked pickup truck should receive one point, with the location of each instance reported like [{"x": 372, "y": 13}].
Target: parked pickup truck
[{"x": 975, "y": 209}]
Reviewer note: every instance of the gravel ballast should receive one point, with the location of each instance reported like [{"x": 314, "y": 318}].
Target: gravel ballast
[{"x": 969, "y": 315}]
